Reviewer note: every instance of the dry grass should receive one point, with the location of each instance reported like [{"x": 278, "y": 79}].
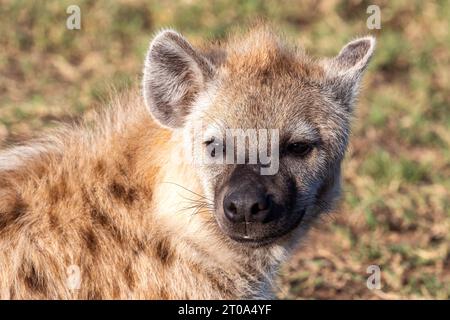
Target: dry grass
[{"x": 396, "y": 207}]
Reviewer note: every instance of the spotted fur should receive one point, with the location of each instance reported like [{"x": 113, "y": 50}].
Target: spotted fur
[{"x": 112, "y": 196}]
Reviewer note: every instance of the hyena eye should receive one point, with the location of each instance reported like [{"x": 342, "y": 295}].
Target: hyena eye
[
  {"x": 214, "y": 146},
  {"x": 299, "y": 149}
]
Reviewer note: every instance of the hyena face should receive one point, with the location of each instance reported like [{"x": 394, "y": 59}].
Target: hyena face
[{"x": 251, "y": 85}]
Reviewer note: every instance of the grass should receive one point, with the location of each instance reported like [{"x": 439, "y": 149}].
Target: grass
[{"x": 395, "y": 211}]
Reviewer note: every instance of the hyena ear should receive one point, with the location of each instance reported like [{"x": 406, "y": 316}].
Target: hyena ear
[
  {"x": 174, "y": 74},
  {"x": 344, "y": 72}
]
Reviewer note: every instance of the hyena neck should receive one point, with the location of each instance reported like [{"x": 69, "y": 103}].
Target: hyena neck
[{"x": 180, "y": 208}]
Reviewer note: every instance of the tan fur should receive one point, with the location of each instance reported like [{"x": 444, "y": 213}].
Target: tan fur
[
  {"x": 263, "y": 52},
  {"x": 112, "y": 197},
  {"x": 89, "y": 200}
]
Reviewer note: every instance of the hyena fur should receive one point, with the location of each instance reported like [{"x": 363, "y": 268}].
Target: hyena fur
[{"x": 117, "y": 198}]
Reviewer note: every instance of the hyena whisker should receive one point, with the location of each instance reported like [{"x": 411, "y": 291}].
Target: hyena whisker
[
  {"x": 199, "y": 210},
  {"x": 197, "y": 201},
  {"x": 196, "y": 206},
  {"x": 186, "y": 189}
]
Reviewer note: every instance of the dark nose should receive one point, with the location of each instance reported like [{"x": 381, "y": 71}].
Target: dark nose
[{"x": 248, "y": 206}]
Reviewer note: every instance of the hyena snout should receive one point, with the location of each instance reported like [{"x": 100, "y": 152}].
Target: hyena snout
[
  {"x": 253, "y": 208},
  {"x": 248, "y": 202}
]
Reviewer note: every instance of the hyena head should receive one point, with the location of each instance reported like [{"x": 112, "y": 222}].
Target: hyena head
[{"x": 254, "y": 97}]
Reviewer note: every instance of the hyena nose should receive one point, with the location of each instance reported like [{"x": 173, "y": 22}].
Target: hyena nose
[{"x": 248, "y": 206}]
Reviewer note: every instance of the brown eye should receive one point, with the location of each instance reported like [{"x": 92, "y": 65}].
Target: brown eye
[
  {"x": 214, "y": 147},
  {"x": 299, "y": 149}
]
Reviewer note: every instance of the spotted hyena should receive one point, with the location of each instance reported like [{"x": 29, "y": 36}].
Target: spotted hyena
[{"x": 116, "y": 207}]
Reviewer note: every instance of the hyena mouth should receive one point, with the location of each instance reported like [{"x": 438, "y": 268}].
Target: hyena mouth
[{"x": 271, "y": 237}]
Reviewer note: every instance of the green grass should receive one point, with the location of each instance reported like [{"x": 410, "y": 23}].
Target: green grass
[{"x": 395, "y": 210}]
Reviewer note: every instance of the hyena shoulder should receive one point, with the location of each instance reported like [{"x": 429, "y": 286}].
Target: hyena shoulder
[{"x": 65, "y": 200}]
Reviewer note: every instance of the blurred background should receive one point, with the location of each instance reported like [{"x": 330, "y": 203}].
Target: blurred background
[{"x": 395, "y": 211}]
